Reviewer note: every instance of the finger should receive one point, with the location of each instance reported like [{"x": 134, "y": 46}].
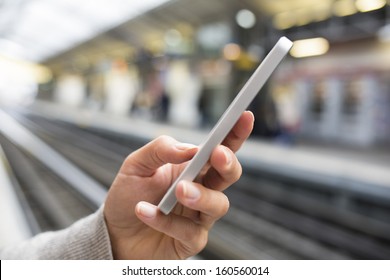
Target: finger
[
  {"x": 156, "y": 153},
  {"x": 210, "y": 203},
  {"x": 225, "y": 169},
  {"x": 191, "y": 235},
  {"x": 240, "y": 132}
]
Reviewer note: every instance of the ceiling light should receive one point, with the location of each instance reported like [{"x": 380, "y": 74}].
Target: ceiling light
[
  {"x": 310, "y": 47},
  {"x": 232, "y": 52},
  {"x": 370, "y": 5},
  {"x": 246, "y": 19}
]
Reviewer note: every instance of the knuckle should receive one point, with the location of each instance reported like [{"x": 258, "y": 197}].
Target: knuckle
[
  {"x": 160, "y": 148},
  {"x": 128, "y": 162},
  {"x": 164, "y": 139}
]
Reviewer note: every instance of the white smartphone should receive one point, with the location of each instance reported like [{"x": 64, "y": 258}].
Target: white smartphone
[{"x": 228, "y": 120}]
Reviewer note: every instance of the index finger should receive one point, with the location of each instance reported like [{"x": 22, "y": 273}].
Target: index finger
[
  {"x": 162, "y": 150},
  {"x": 240, "y": 132}
]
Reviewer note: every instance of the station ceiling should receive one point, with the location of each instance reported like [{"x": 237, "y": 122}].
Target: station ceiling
[{"x": 37, "y": 30}]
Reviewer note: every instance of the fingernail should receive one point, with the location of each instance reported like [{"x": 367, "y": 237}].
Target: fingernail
[
  {"x": 190, "y": 191},
  {"x": 184, "y": 146},
  {"x": 147, "y": 210}
]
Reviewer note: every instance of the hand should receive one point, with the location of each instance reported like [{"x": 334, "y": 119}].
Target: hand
[{"x": 138, "y": 230}]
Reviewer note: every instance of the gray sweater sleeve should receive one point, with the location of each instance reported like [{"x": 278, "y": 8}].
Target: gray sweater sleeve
[{"x": 87, "y": 239}]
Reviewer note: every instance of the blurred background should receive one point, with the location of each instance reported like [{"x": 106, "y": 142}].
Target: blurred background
[{"x": 84, "y": 83}]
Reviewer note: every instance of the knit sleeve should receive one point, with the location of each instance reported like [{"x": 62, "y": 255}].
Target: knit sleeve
[{"x": 87, "y": 239}]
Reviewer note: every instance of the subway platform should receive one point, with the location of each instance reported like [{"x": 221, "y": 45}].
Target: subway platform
[{"x": 309, "y": 158}]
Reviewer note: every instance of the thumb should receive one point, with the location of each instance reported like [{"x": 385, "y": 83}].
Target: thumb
[{"x": 156, "y": 153}]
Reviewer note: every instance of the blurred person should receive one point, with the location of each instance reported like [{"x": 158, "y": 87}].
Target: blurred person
[
  {"x": 287, "y": 114},
  {"x": 267, "y": 126},
  {"x": 70, "y": 90},
  {"x": 129, "y": 225},
  {"x": 183, "y": 87},
  {"x": 121, "y": 87}
]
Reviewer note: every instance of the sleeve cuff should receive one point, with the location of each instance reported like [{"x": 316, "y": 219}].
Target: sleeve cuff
[{"x": 87, "y": 239}]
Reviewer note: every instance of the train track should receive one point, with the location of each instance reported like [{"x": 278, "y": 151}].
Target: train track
[
  {"x": 54, "y": 204},
  {"x": 271, "y": 217}
]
